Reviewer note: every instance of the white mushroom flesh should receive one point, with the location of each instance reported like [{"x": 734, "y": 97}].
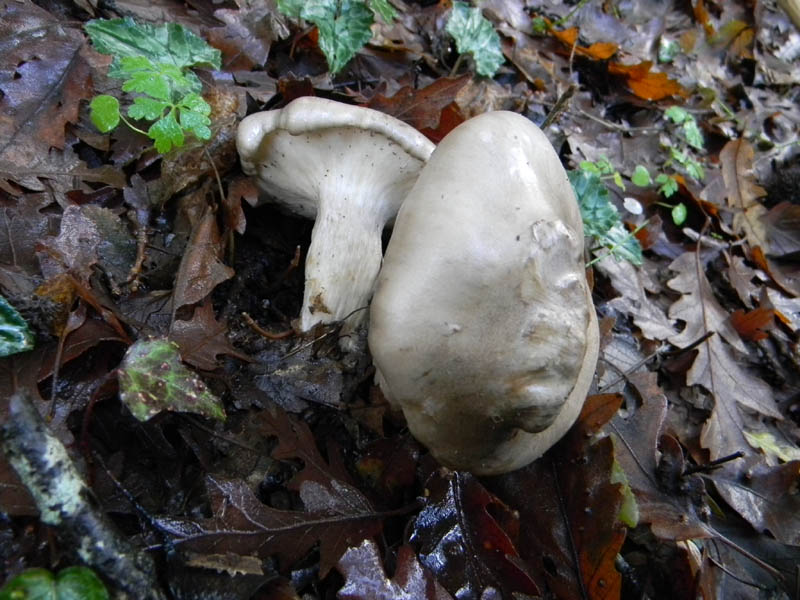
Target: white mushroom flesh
[{"x": 482, "y": 327}]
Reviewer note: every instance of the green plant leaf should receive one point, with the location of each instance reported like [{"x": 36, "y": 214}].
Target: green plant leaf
[
  {"x": 104, "y": 112},
  {"x": 291, "y": 8},
  {"x": 679, "y": 213},
  {"x": 147, "y": 108},
  {"x": 384, "y": 9},
  {"x": 166, "y": 133},
  {"x": 693, "y": 135},
  {"x": 195, "y": 122},
  {"x": 475, "y": 35},
  {"x": 601, "y": 220},
  {"x": 79, "y": 583},
  {"x": 152, "y": 378},
  {"x": 344, "y": 28},
  {"x": 667, "y": 185},
  {"x": 170, "y": 43},
  {"x": 15, "y": 335},
  {"x": 599, "y": 214},
  {"x": 72, "y": 583},
  {"x": 676, "y": 114},
  {"x": 641, "y": 176}
]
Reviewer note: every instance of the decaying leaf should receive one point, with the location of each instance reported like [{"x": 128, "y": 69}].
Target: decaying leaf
[
  {"x": 569, "y": 507},
  {"x": 671, "y": 515},
  {"x": 715, "y": 366},
  {"x": 464, "y": 534},
  {"x": 201, "y": 269},
  {"x": 242, "y": 524},
  {"x": 365, "y": 578},
  {"x": 152, "y": 379},
  {"x": 203, "y": 338},
  {"x": 420, "y": 108},
  {"x": 743, "y": 192}
]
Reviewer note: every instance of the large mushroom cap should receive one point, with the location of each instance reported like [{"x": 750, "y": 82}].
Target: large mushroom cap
[
  {"x": 482, "y": 326},
  {"x": 347, "y": 167}
]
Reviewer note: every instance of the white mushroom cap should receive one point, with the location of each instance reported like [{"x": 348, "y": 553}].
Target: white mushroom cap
[
  {"x": 482, "y": 326},
  {"x": 349, "y": 168}
]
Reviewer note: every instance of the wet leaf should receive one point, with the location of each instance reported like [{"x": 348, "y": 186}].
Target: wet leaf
[
  {"x": 464, "y": 535},
  {"x": 15, "y": 335},
  {"x": 203, "y": 338},
  {"x": 201, "y": 269},
  {"x": 422, "y": 108},
  {"x": 671, "y": 515},
  {"x": 569, "y": 506},
  {"x": 365, "y": 578},
  {"x": 152, "y": 378},
  {"x": 743, "y": 192},
  {"x": 242, "y": 524}
]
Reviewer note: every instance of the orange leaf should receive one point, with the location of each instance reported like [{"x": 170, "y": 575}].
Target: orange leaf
[
  {"x": 597, "y": 51},
  {"x": 752, "y": 325},
  {"x": 645, "y": 83}
]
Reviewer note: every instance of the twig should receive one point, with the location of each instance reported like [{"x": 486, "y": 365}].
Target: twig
[
  {"x": 710, "y": 466},
  {"x": 66, "y": 503},
  {"x": 263, "y": 332},
  {"x": 560, "y": 106}
]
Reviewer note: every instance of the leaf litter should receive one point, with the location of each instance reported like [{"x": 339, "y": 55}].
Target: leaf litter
[{"x": 106, "y": 244}]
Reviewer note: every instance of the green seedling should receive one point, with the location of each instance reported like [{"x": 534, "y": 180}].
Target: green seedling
[{"x": 155, "y": 63}]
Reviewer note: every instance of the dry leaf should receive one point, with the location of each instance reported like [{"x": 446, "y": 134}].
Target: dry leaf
[
  {"x": 715, "y": 366},
  {"x": 645, "y": 83},
  {"x": 743, "y": 193}
]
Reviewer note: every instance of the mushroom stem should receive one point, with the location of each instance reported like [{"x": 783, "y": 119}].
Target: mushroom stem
[{"x": 347, "y": 263}]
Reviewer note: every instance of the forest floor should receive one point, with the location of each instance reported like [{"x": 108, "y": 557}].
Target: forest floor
[{"x": 272, "y": 467}]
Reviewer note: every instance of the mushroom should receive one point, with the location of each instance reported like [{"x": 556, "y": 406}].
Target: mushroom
[
  {"x": 482, "y": 326},
  {"x": 349, "y": 168}
]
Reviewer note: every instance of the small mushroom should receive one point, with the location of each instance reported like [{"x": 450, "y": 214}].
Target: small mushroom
[
  {"x": 482, "y": 327},
  {"x": 347, "y": 167}
]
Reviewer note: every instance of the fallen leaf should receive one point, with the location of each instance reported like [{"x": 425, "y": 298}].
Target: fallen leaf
[
  {"x": 754, "y": 324},
  {"x": 715, "y": 366},
  {"x": 152, "y": 379},
  {"x": 632, "y": 283},
  {"x": 597, "y": 51},
  {"x": 242, "y": 524},
  {"x": 365, "y": 578},
  {"x": 569, "y": 507},
  {"x": 736, "y": 158},
  {"x": 420, "y": 108},
  {"x": 671, "y": 515},
  {"x": 463, "y": 535},
  {"x": 201, "y": 269},
  {"x": 203, "y": 338},
  {"x": 645, "y": 83}
]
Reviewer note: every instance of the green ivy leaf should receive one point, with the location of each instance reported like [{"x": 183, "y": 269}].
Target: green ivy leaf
[
  {"x": 344, "y": 28},
  {"x": 170, "y": 43},
  {"x": 104, "y": 112},
  {"x": 166, "y": 133},
  {"x": 384, "y": 9},
  {"x": 152, "y": 378},
  {"x": 601, "y": 220},
  {"x": 291, "y": 8},
  {"x": 475, "y": 35},
  {"x": 641, "y": 176},
  {"x": 15, "y": 335}
]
